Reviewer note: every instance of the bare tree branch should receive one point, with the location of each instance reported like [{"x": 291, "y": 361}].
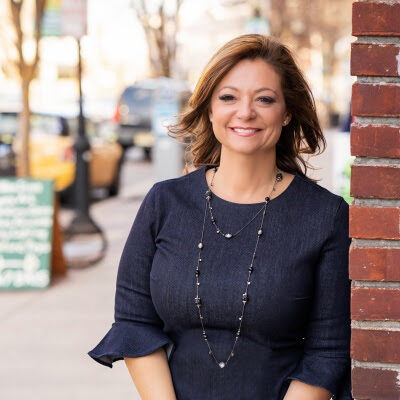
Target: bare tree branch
[
  {"x": 161, "y": 38},
  {"x": 16, "y": 7},
  {"x": 38, "y": 28}
]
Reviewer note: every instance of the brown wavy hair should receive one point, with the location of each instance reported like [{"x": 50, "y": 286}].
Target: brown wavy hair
[{"x": 303, "y": 134}]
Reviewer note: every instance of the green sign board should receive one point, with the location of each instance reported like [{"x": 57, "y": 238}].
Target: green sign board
[{"x": 26, "y": 228}]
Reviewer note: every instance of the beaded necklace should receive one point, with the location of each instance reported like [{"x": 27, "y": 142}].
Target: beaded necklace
[{"x": 245, "y": 296}]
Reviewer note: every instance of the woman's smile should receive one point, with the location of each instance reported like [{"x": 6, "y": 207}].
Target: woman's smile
[{"x": 244, "y": 132}]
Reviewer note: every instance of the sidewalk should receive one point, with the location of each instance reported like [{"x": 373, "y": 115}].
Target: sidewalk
[{"x": 45, "y": 335}]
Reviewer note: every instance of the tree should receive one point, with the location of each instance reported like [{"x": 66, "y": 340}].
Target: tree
[
  {"x": 297, "y": 21},
  {"x": 26, "y": 70},
  {"x": 160, "y": 21}
]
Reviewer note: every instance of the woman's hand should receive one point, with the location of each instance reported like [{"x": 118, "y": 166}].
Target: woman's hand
[{"x": 302, "y": 391}]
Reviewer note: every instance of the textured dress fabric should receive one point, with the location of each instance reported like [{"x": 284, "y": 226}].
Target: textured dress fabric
[{"x": 296, "y": 324}]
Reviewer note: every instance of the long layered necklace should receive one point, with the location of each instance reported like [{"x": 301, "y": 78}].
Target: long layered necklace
[{"x": 228, "y": 236}]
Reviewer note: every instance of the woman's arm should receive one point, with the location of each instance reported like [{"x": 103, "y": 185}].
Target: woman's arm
[
  {"x": 152, "y": 376},
  {"x": 302, "y": 391},
  {"x": 326, "y": 361}
]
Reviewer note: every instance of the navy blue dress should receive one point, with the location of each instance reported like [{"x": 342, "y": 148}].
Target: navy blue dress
[{"x": 296, "y": 324}]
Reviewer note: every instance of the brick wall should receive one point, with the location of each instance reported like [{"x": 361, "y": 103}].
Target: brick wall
[{"x": 375, "y": 213}]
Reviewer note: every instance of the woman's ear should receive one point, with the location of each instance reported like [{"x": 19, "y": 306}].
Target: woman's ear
[{"x": 286, "y": 119}]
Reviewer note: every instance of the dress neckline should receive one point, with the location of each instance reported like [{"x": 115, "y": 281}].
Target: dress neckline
[{"x": 205, "y": 187}]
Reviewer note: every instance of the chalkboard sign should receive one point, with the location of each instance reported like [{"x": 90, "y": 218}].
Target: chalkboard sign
[{"x": 26, "y": 228}]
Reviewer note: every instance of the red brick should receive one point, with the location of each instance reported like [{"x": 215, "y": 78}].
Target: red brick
[
  {"x": 374, "y": 264},
  {"x": 373, "y": 181},
  {"x": 375, "y": 345},
  {"x": 375, "y": 100},
  {"x": 374, "y": 384},
  {"x": 374, "y": 59},
  {"x": 374, "y": 222},
  {"x": 371, "y": 303},
  {"x": 375, "y": 141},
  {"x": 375, "y": 19}
]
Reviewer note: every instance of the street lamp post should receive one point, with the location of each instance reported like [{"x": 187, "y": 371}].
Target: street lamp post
[
  {"x": 84, "y": 241},
  {"x": 82, "y": 223}
]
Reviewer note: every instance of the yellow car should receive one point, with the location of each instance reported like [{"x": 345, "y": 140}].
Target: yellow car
[{"x": 52, "y": 155}]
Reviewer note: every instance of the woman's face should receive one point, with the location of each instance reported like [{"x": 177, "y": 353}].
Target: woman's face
[{"x": 248, "y": 108}]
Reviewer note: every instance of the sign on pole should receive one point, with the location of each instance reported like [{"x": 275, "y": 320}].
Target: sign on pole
[
  {"x": 74, "y": 18},
  {"x": 51, "y": 24},
  {"x": 65, "y": 18}
]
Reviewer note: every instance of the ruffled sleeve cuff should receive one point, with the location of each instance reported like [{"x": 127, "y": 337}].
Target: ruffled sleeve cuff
[
  {"x": 327, "y": 372},
  {"x": 130, "y": 339}
]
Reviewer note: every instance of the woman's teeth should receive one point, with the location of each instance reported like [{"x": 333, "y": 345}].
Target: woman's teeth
[
  {"x": 238, "y": 130},
  {"x": 245, "y": 132}
]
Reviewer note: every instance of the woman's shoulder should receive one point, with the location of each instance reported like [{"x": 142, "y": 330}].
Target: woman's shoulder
[
  {"x": 178, "y": 183},
  {"x": 318, "y": 196},
  {"x": 180, "y": 190},
  {"x": 318, "y": 207}
]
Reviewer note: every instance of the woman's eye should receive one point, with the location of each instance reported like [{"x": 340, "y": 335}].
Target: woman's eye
[
  {"x": 229, "y": 97},
  {"x": 267, "y": 100},
  {"x": 226, "y": 97}
]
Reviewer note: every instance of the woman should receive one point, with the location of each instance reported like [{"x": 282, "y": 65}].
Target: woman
[{"x": 238, "y": 269}]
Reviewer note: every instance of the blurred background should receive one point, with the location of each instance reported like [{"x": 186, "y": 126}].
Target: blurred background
[{"x": 86, "y": 89}]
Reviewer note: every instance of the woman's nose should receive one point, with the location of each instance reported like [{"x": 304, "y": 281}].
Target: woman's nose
[{"x": 245, "y": 110}]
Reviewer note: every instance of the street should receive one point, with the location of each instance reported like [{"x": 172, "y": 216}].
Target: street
[{"x": 46, "y": 334}]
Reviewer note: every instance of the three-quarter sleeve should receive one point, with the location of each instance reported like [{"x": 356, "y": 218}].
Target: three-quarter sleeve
[
  {"x": 326, "y": 360},
  {"x": 137, "y": 330}
]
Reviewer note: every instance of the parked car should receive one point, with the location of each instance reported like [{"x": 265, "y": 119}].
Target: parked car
[
  {"x": 52, "y": 155},
  {"x": 133, "y": 114}
]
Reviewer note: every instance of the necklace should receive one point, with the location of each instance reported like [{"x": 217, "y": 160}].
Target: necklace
[
  {"x": 214, "y": 221},
  {"x": 245, "y": 296}
]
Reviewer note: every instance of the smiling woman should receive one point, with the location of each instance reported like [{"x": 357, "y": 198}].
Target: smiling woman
[
  {"x": 252, "y": 82},
  {"x": 240, "y": 267}
]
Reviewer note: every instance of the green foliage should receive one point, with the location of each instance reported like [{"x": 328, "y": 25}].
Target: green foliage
[{"x": 346, "y": 174}]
